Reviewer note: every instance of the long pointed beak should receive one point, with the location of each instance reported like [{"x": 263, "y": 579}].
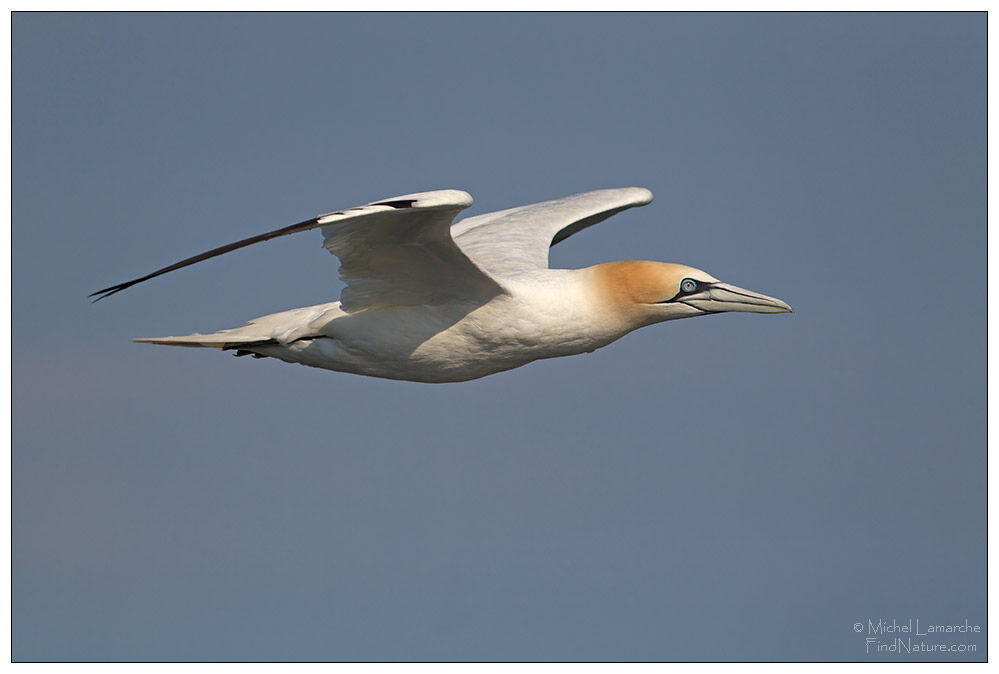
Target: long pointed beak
[{"x": 725, "y": 297}]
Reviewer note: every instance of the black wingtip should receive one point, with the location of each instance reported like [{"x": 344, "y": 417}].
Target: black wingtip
[
  {"x": 291, "y": 229},
  {"x": 108, "y": 292}
]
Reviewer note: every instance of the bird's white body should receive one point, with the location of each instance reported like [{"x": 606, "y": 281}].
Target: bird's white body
[
  {"x": 554, "y": 314},
  {"x": 429, "y": 301}
]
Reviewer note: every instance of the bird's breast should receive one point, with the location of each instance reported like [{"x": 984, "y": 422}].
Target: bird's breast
[{"x": 532, "y": 322}]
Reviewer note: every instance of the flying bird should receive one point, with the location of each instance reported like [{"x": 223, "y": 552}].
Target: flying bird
[{"x": 431, "y": 301}]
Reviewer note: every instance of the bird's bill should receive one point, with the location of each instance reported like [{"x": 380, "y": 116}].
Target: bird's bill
[{"x": 724, "y": 297}]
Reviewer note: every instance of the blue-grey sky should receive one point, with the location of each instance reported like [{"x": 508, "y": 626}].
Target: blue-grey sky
[{"x": 733, "y": 487}]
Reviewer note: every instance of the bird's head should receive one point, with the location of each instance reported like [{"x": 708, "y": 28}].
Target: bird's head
[{"x": 651, "y": 292}]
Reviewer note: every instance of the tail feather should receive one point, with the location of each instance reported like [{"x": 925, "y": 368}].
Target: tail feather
[
  {"x": 280, "y": 328},
  {"x": 219, "y": 340}
]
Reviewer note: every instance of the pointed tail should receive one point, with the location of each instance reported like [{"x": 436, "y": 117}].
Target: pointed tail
[{"x": 280, "y": 328}]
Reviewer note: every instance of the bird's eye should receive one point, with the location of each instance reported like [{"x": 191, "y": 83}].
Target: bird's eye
[{"x": 688, "y": 286}]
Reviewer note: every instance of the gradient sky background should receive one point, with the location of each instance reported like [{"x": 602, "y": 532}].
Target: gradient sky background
[{"x": 734, "y": 487}]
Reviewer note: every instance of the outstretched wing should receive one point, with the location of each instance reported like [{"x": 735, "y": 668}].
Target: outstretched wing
[
  {"x": 517, "y": 240},
  {"x": 393, "y": 252}
]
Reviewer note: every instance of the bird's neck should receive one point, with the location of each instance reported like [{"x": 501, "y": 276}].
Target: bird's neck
[{"x": 625, "y": 290}]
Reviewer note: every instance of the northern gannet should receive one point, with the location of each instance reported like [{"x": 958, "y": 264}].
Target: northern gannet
[{"x": 429, "y": 301}]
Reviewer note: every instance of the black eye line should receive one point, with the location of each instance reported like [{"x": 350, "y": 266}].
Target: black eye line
[{"x": 698, "y": 287}]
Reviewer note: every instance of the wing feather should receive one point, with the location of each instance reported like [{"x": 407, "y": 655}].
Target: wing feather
[
  {"x": 517, "y": 240},
  {"x": 392, "y": 252}
]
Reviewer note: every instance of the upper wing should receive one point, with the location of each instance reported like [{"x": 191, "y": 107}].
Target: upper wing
[
  {"x": 518, "y": 239},
  {"x": 397, "y": 251},
  {"x": 400, "y": 251}
]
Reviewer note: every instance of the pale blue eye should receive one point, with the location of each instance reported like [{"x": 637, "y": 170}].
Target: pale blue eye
[{"x": 688, "y": 286}]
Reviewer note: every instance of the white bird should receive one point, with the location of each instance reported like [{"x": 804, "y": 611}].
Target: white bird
[{"x": 429, "y": 301}]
